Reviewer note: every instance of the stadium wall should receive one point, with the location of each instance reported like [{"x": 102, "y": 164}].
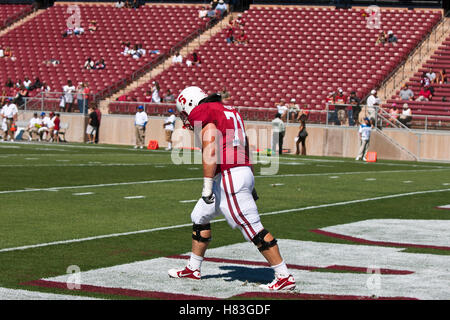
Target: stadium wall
[{"x": 321, "y": 141}]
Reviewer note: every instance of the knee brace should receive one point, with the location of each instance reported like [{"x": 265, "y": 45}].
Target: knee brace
[
  {"x": 258, "y": 240},
  {"x": 197, "y": 228}
]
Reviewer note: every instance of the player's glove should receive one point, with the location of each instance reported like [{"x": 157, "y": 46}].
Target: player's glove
[
  {"x": 207, "y": 193},
  {"x": 254, "y": 194}
]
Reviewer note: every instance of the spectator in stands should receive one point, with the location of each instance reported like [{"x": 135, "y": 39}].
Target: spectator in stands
[
  {"x": 2, "y": 52},
  {"x": 294, "y": 110},
  {"x": 224, "y": 94},
  {"x": 203, "y": 12},
  {"x": 45, "y": 87},
  {"x": 100, "y": 64},
  {"x": 282, "y": 109},
  {"x": 120, "y": 4},
  {"x": 406, "y": 116},
  {"x": 37, "y": 84},
  {"x": 142, "y": 51},
  {"x": 156, "y": 97},
  {"x": 9, "y": 83},
  {"x": 391, "y": 38},
  {"x": 302, "y": 134},
  {"x": 365, "y": 129},
  {"x": 354, "y": 109},
  {"x": 222, "y": 8},
  {"x": 177, "y": 58},
  {"x": 242, "y": 38},
  {"x": 193, "y": 59},
  {"x": 89, "y": 64},
  {"x": 140, "y": 123},
  {"x": 431, "y": 75},
  {"x": 169, "y": 97},
  {"x": 169, "y": 127},
  {"x": 78, "y": 31},
  {"x": 147, "y": 96},
  {"x": 373, "y": 102},
  {"x": 239, "y": 22},
  {"x": 394, "y": 113},
  {"x": 67, "y": 32},
  {"x": 126, "y": 49},
  {"x": 424, "y": 80},
  {"x": 92, "y": 127},
  {"x": 340, "y": 100},
  {"x": 229, "y": 35},
  {"x": 381, "y": 38},
  {"x": 27, "y": 83},
  {"x": 21, "y": 96},
  {"x": 52, "y": 62},
  {"x": 68, "y": 91},
  {"x": 332, "y": 111},
  {"x": 278, "y": 132},
  {"x": 92, "y": 27},
  {"x": 406, "y": 93},
  {"x": 441, "y": 77},
  {"x": 425, "y": 94}
]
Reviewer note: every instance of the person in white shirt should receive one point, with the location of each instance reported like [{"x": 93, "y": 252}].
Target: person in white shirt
[
  {"x": 365, "y": 129},
  {"x": 3, "y": 127},
  {"x": 372, "y": 103},
  {"x": 155, "y": 92},
  {"x": 282, "y": 109},
  {"x": 33, "y": 127},
  {"x": 169, "y": 127},
  {"x": 278, "y": 130},
  {"x": 431, "y": 75},
  {"x": 406, "y": 115},
  {"x": 177, "y": 58},
  {"x": 46, "y": 125},
  {"x": 68, "y": 90},
  {"x": 9, "y": 113},
  {"x": 120, "y": 4},
  {"x": 140, "y": 123},
  {"x": 27, "y": 83}
]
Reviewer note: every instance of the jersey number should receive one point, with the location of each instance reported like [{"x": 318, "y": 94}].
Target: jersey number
[{"x": 237, "y": 122}]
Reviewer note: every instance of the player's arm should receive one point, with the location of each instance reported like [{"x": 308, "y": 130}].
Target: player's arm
[{"x": 209, "y": 160}]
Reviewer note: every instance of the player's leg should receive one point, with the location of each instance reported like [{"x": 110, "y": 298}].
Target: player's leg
[
  {"x": 201, "y": 216},
  {"x": 240, "y": 210}
]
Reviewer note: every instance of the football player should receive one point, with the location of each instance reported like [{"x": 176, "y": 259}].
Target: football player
[{"x": 228, "y": 184}]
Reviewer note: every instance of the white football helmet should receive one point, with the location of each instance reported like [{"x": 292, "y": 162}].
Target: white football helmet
[{"x": 187, "y": 100}]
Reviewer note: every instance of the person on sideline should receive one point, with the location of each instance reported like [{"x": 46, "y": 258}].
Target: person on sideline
[
  {"x": 140, "y": 122},
  {"x": 169, "y": 126},
  {"x": 278, "y": 131},
  {"x": 365, "y": 129}
]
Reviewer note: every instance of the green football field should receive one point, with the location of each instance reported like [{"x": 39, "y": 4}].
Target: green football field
[{"x": 102, "y": 206}]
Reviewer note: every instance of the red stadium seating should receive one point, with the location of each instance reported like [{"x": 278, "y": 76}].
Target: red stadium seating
[
  {"x": 157, "y": 27},
  {"x": 437, "y": 108},
  {"x": 10, "y": 13},
  {"x": 301, "y": 53}
]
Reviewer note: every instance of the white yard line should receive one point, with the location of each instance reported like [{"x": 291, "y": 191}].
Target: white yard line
[
  {"x": 200, "y": 178},
  {"x": 134, "y": 197},
  {"x": 343, "y": 203}
]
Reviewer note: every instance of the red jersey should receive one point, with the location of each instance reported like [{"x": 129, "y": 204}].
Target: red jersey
[
  {"x": 56, "y": 123},
  {"x": 233, "y": 149}
]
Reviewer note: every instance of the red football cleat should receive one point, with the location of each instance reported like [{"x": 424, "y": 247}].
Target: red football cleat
[
  {"x": 280, "y": 283},
  {"x": 185, "y": 273}
]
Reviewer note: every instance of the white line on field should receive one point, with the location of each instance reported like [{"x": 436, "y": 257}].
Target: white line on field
[
  {"x": 82, "y": 193},
  {"x": 343, "y": 203},
  {"x": 134, "y": 197},
  {"x": 188, "y": 201},
  {"x": 201, "y": 178}
]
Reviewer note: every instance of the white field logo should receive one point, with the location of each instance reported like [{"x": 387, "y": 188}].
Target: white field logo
[
  {"x": 373, "y": 282},
  {"x": 184, "y": 146},
  {"x": 74, "y": 280},
  {"x": 373, "y": 19},
  {"x": 74, "y": 21}
]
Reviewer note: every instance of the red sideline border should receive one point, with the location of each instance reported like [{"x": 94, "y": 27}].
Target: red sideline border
[{"x": 378, "y": 243}]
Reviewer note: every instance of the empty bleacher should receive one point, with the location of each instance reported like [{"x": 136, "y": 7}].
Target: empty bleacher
[
  {"x": 302, "y": 53},
  {"x": 10, "y": 13},
  {"x": 157, "y": 27}
]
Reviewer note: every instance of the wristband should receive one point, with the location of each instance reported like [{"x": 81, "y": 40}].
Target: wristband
[{"x": 207, "y": 187}]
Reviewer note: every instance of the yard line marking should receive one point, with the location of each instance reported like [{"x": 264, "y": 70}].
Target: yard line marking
[
  {"x": 200, "y": 178},
  {"x": 370, "y": 179},
  {"x": 82, "y": 193},
  {"x": 222, "y": 220},
  {"x": 445, "y": 207},
  {"x": 188, "y": 201},
  {"x": 408, "y": 181},
  {"x": 134, "y": 197}
]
